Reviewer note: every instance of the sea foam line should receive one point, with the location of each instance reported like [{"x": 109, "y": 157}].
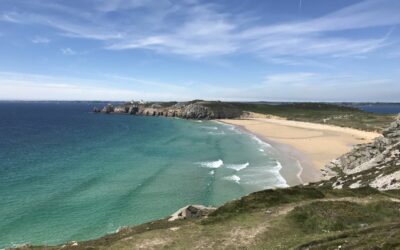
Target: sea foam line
[
  {"x": 234, "y": 178},
  {"x": 211, "y": 164},
  {"x": 216, "y": 133},
  {"x": 261, "y": 142},
  {"x": 300, "y": 172},
  {"x": 209, "y": 127},
  {"x": 238, "y": 167},
  {"x": 276, "y": 169}
]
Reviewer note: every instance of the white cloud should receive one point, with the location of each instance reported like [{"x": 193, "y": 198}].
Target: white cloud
[
  {"x": 21, "y": 86},
  {"x": 114, "y": 5},
  {"x": 291, "y": 86},
  {"x": 198, "y": 29},
  {"x": 40, "y": 39},
  {"x": 308, "y": 86},
  {"x": 11, "y": 17},
  {"x": 68, "y": 51}
]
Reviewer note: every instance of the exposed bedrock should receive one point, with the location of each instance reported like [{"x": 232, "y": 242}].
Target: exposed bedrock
[
  {"x": 190, "y": 110},
  {"x": 376, "y": 164}
]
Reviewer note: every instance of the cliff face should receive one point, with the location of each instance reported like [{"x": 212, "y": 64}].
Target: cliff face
[
  {"x": 190, "y": 110},
  {"x": 375, "y": 164}
]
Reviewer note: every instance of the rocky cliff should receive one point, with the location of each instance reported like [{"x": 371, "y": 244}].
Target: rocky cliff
[
  {"x": 375, "y": 164},
  {"x": 188, "y": 110}
]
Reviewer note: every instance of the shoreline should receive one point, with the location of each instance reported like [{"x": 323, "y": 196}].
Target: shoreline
[
  {"x": 302, "y": 148},
  {"x": 290, "y": 158}
]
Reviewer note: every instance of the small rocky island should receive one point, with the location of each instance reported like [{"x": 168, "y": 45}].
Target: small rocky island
[{"x": 196, "y": 109}]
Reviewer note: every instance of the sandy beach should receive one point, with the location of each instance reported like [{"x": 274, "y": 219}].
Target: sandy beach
[{"x": 312, "y": 145}]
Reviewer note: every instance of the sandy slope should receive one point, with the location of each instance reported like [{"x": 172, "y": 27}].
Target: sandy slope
[{"x": 318, "y": 143}]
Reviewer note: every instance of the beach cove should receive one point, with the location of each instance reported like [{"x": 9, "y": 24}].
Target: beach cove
[{"x": 311, "y": 145}]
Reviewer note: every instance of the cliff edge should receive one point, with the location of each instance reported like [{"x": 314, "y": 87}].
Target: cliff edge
[
  {"x": 196, "y": 109},
  {"x": 376, "y": 164}
]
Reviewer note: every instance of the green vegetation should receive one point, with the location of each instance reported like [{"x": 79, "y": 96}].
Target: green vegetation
[
  {"x": 341, "y": 215},
  {"x": 301, "y": 217},
  {"x": 324, "y": 113},
  {"x": 321, "y": 113}
]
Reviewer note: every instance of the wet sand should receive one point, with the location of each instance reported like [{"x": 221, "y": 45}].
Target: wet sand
[{"x": 309, "y": 145}]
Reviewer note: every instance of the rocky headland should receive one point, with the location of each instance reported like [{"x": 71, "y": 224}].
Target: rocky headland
[{"x": 188, "y": 110}]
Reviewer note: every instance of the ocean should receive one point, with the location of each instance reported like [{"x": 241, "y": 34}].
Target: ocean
[
  {"x": 68, "y": 174},
  {"x": 382, "y": 108}
]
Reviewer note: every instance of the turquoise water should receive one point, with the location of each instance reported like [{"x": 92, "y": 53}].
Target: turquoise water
[{"x": 67, "y": 174}]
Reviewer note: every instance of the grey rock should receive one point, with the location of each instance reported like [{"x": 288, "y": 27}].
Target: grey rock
[
  {"x": 109, "y": 108},
  {"x": 382, "y": 153}
]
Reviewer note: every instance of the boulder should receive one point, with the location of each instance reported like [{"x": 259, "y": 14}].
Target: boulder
[{"x": 191, "y": 212}]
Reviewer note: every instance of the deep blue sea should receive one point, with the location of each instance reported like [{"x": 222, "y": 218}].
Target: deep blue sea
[
  {"x": 383, "y": 108},
  {"x": 68, "y": 174}
]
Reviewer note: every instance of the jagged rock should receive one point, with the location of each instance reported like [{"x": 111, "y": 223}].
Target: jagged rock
[
  {"x": 121, "y": 109},
  {"x": 187, "y": 110},
  {"x": 191, "y": 212},
  {"x": 381, "y": 154},
  {"x": 109, "y": 108},
  {"x": 156, "y": 106},
  {"x": 96, "y": 110},
  {"x": 133, "y": 110},
  {"x": 196, "y": 111}
]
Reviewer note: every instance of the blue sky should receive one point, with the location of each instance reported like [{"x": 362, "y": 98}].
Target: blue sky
[{"x": 286, "y": 50}]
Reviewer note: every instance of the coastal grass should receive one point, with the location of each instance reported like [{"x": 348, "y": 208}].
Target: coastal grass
[
  {"x": 323, "y": 113},
  {"x": 300, "y": 217}
]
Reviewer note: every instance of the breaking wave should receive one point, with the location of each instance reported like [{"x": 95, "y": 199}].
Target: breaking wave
[
  {"x": 238, "y": 167},
  {"x": 211, "y": 164},
  {"x": 234, "y": 178}
]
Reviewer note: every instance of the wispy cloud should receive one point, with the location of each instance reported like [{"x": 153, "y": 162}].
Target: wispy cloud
[
  {"x": 40, "y": 39},
  {"x": 68, "y": 51},
  {"x": 310, "y": 86},
  {"x": 11, "y": 17},
  {"x": 197, "y": 29},
  {"x": 22, "y": 86},
  {"x": 300, "y": 4},
  {"x": 290, "y": 86},
  {"x": 150, "y": 83}
]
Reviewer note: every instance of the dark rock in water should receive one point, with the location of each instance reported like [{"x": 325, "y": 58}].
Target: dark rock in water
[
  {"x": 109, "y": 108},
  {"x": 96, "y": 110}
]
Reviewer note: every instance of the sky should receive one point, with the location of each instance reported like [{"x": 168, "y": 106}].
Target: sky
[{"x": 231, "y": 50}]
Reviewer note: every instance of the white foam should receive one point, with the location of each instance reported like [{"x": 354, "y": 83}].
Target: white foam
[
  {"x": 216, "y": 133},
  {"x": 276, "y": 169},
  {"x": 300, "y": 171},
  {"x": 261, "y": 142},
  {"x": 238, "y": 167},
  {"x": 261, "y": 150},
  {"x": 212, "y": 128},
  {"x": 212, "y": 172},
  {"x": 234, "y": 178},
  {"x": 230, "y": 127},
  {"x": 212, "y": 164}
]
